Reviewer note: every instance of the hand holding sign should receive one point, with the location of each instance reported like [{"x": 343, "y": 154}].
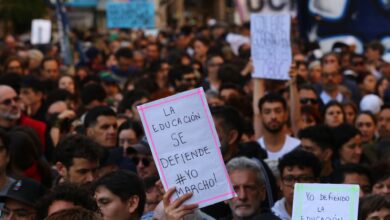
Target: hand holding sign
[{"x": 185, "y": 147}]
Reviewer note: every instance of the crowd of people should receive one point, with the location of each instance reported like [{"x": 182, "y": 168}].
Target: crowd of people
[{"x": 72, "y": 144}]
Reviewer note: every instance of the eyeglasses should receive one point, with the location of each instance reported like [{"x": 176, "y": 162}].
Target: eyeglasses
[
  {"x": 145, "y": 161},
  {"x": 17, "y": 213},
  {"x": 308, "y": 101},
  {"x": 290, "y": 180},
  {"x": 9, "y": 101}
]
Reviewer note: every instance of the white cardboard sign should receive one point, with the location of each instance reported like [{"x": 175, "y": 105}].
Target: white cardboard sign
[
  {"x": 185, "y": 147},
  {"x": 325, "y": 201},
  {"x": 40, "y": 31},
  {"x": 271, "y": 50}
]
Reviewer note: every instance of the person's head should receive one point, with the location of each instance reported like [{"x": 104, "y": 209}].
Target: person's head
[
  {"x": 120, "y": 195},
  {"x": 350, "y": 110},
  {"x": 354, "y": 174},
  {"x": 273, "y": 112},
  {"x": 367, "y": 83},
  {"x": 129, "y": 133},
  {"x": 14, "y": 64},
  {"x": 50, "y": 68},
  {"x": 330, "y": 78},
  {"x": 366, "y": 122},
  {"x": 67, "y": 82},
  {"x": 101, "y": 125},
  {"x": 74, "y": 214},
  {"x": 92, "y": 95},
  {"x": 124, "y": 57},
  {"x": 381, "y": 86},
  {"x": 318, "y": 140},
  {"x": 380, "y": 173},
  {"x": 315, "y": 70},
  {"x": 348, "y": 144},
  {"x": 32, "y": 91},
  {"x": 374, "y": 207},
  {"x": 77, "y": 159},
  {"x": 308, "y": 96},
  {"x": 153, "y": 193},
  {"x": 141, "y": 155},
  {"x": 152, "y": 52},
  {"x": 298, "y": 166},
  {"x": 9, "y": 104},
  {"x": 374, "y": 51},
  {"x": 383, "y": 121},
  {"x": 247, "y": 180},
  {"x": 309, "y": 117},
  {"x": 64, "y": 196},
  {"x": 130, "y": 101},
  {"x": 184, "y": 78},
  {"x": 213, "y": 63},
  {"x": 333, "y": 114},
  {"x": 20, "y": 199},
  {"x": 229, "y": 126},
  {"x": 331, "y": 59},
  {"x": 201, "y": 46}
]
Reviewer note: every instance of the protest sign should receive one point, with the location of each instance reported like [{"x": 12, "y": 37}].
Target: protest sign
[
  {"x": 325, "y": 202},
  {"x": 40, "y": 31},
  {"x": 271, "y": 51},
  {"x": 185, "y": 147},
  {"x": 134, "y": 14}
]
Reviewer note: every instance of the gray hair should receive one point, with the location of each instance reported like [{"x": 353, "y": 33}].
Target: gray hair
[{"x": 244, "y": 163}]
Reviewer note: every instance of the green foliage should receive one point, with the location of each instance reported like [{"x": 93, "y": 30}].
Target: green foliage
[{"x": 21, "y": 12}]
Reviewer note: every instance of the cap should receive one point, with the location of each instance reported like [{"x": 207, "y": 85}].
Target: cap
[
  {"x": 371, "y": 103},
  {"x": 25, "y": 190}
]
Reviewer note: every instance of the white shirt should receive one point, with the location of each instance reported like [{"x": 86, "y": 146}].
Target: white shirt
[
  {"x": 289, "y": 144},
  {"x": 279, "y": 209},
  {"x": 326, "y": 98}
]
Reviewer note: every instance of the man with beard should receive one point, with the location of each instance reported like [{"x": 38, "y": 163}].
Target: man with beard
[
  {"x": 274, "y": 116},
  {"x": 247, "y": 180},
  {"x": 11, "y": 114}
]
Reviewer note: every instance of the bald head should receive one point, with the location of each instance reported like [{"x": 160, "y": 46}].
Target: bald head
[{"x": 6, "y": 89}]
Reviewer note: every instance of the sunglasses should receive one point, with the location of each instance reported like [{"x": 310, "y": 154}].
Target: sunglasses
[
  {"x": 306, "y": 101},
  {"x": 145, "y": 161},
  {"x": 9, "y": 101}
]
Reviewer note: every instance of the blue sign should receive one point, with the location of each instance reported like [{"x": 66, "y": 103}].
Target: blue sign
[
  {"x": 134, "y": 14},
  {"x": 81, "y": 3}
]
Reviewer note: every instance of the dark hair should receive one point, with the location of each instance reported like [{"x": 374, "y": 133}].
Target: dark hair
[
  {"x": 230, "y": 118},
  {"x": 339, "y": 175},
  {"x": 49, "y": 58},
  {"x": 5, "y": 139},
  {"x": 130, "y": 98},
  {"x": 133, "y": 125},
  {"x": 33, "y": 82},
  {"x": 301, "y": 159},
  {"x": 308, "y": 87},
  {"x": 66, "y": 192},
  {"x": 328, "y": 55},
  {"x": 25, "y": 152},
  {"x": 320, "y": 134},
  {"x": 177, "y": 72},
  {"x": 229, "y": 73},
  {"x": 311, "y": 111},
  {"x": 91, "y": 92},
  {"x": 92, "y": 115},
  {"x": 369, "y": 114},
  {"x": 124, "y": 52},
  {"x": 203, "y": 40},
  {"x": 272, "y": 97},
  {"x": 74, "y": 214},
  {"x": 58, "y": 95},
  {"x": 124, "y": 184},
  {"x": 376, "y": 45},
  {"x": 380, "y": 172},
  {"x": 77, "y": 145},
  {"x": 372, "y": 203},
  {"x": 150, "y": 182},
  {"x": 343, "y": 133}
]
